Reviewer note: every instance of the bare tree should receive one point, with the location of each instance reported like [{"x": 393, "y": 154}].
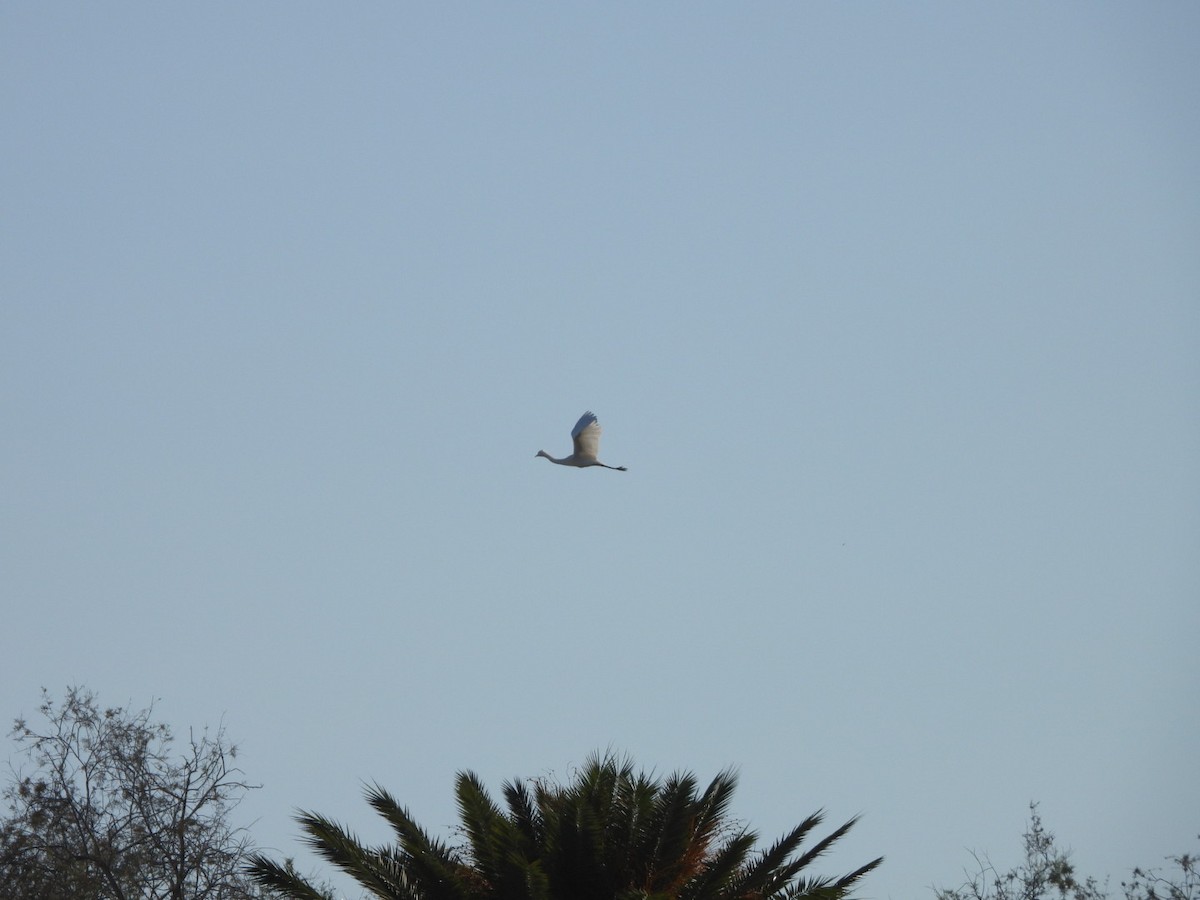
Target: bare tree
[{"x": 109, "y": 807}]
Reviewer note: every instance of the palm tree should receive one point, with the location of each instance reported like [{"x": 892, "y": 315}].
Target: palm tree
[{"x": 609, "y": 834}]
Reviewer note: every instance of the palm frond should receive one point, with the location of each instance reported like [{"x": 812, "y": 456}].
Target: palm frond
[
  {"x": 811, "y": 889},
  {"x": 721, "y": 870},
  {"x": 480, "y": 818},
  {"x": 523, "y": 811},
  {"x": 771, "y": 870},
  {"x": 824, "y": 844},
  {"x": 430, "y": 865},
  {"x": 282, "y": 879},
  {"x": 678, "y": 851},
  {"x": 828, "y": 888},
  {"x": 372, "y": 868},
  {"x": 847, "y": 881},
  {"x": 714, "y": 803}
]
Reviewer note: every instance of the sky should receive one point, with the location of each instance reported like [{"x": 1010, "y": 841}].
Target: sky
[{"x": 892, "y": 311}]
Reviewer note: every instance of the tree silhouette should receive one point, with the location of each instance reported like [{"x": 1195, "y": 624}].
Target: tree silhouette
[
  {"x": 111, "y": 807},
  {"x": 610, "y": 833}
]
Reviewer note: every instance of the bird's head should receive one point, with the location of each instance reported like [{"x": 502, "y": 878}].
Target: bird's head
[{"x": 541, "y": 453}]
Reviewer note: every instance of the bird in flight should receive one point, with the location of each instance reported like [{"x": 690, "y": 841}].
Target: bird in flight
[{"x": 586, "y": 435}]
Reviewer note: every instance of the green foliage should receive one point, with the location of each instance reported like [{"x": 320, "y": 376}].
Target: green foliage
[{"x": 611, "y": 833}]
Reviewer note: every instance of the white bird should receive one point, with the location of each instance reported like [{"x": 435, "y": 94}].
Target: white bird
[{"x": 586, "y": 435}]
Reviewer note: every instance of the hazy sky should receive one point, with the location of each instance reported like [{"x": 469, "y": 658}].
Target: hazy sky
[{"x": 892, "y": 311}]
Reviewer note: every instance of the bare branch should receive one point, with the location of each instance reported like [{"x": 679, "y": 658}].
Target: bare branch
[{"x": 112, "y": 809}]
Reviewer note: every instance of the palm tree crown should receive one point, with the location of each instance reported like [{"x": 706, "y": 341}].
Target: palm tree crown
[{"x": 609, "y": 834}]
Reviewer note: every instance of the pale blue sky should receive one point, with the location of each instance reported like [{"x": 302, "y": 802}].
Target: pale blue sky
[{"x": 892, "y": 311}]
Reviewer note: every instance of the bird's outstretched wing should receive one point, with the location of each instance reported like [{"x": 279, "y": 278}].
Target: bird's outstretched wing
[{"x": 586, "y": 435}]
